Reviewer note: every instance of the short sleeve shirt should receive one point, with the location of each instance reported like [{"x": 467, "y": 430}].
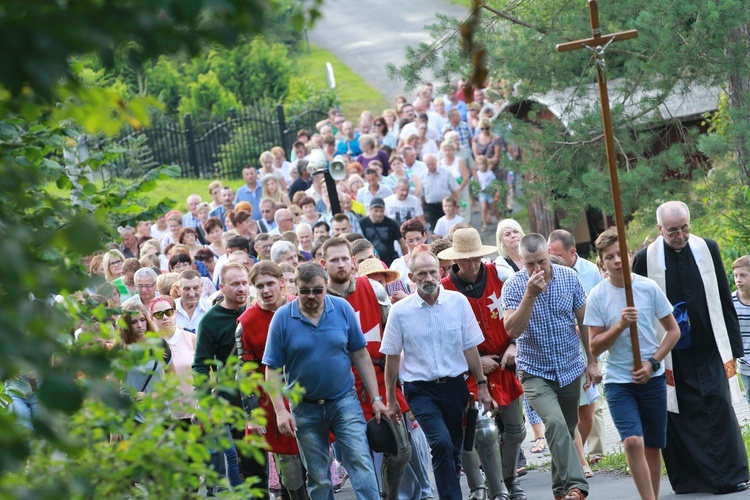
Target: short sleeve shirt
[
  {"x": 550, "y": 346},
  {"x": 315, "y": 356}
]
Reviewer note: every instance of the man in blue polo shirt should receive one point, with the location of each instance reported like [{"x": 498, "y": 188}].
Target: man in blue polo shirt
[
  {"x": 251, "y": 192},
  {"x": 316, "y": 339},
  {"x": 543, "y": 303}
]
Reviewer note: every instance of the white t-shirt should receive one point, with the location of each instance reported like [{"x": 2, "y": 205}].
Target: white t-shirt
[
  {"x": 484, "y": 178},
  {"x": 604, "y": 308},
  {"x": 402, "y": 210},
  {"x": 444, "y": 225}
]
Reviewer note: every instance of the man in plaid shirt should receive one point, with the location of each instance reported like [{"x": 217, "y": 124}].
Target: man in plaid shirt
[{"x": 543, "y": 304}]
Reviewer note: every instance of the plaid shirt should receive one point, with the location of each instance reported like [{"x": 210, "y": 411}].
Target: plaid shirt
[
  {"x": 464, "y": 134},
  {"x": 550, "y": 346}
]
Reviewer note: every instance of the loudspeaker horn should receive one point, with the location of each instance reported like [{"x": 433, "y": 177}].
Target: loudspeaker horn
[
  {"x": 317, "y": 161},
  {"x": 337, "y": 169}
]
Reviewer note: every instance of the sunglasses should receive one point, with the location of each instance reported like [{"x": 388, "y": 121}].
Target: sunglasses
[
  {"x": 166, "y": 312},
  {"x": 307, "y": 291}
]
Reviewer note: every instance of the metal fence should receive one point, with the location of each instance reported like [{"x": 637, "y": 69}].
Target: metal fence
[{"x": 218, "y": 149}]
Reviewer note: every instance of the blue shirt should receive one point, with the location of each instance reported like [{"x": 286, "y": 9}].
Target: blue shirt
[
  {"x": 252, "y": 197},
  {"x": 189, "y": 221},
  {"x": 460, "y": 106},
  {"x": 550, "y": 346},
  {"x": 588, "y": 273},
  {"x": 349, "y": 147},
  {"x": 316, "y": 357}
]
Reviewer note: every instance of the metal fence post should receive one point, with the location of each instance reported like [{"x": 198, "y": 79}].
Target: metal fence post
[
  {"x": 190, "y": 141},
  {"x": 283, "y": 133}
]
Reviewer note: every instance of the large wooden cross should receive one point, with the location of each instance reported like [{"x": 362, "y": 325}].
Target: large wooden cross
[{"x": 598, "y": 44}]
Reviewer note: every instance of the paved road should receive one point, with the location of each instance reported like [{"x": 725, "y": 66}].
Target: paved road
[{"x": 368, "y": 34}]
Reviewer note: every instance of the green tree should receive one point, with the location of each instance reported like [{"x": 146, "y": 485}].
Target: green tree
[
  {"x": 207, "y": 98},
  {"x": 680, "y": 46},
  {"x": 45, "y": 106}
]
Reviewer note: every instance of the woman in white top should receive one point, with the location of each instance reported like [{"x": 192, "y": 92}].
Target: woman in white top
[
  {"x": 163, "y": 313},
  {"x": 508, "y": 236},
  {"x": 426, "y": 145},
  {"x": 266, "y": 167},
  {"x": 458, "y": 169}
]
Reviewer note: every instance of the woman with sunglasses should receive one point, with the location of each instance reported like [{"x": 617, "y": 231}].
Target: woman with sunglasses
[
  {"x": 163, "y": 312},
  {"x": 490, "y": 145},
  {"x": 134, "y": 323},
  {"x": 268, "y": 280},
  {"x": 384, "y": 133}
]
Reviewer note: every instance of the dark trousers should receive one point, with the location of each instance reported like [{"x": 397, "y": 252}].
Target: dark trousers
[
  {"x": 439, "y": 410},
  {"x": 433, "y": 211}
]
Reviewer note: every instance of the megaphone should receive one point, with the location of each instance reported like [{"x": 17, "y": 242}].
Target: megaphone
[
  {"x": 317, "y": 161},
  {"x": 337, "y": 168}
]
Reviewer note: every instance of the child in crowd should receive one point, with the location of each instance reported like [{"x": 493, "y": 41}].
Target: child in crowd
[
  {"x": 741, "y": 299},
  {"x": 637, "y": 396},
  {"x": 486, "y": 195},
  {"x": 450, "y": 219}
]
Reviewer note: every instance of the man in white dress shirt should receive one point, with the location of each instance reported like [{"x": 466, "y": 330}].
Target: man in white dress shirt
[
  {"x": 438, "y": 334},
  {"x": 190, "y": 307}
]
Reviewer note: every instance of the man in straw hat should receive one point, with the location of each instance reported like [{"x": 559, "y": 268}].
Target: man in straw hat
[
  {"x": 371, "y": 303},
  {"x": 479, "y": 283},
  {"x": 438, "y": 335},
  {"x": 543, "y": 304}
]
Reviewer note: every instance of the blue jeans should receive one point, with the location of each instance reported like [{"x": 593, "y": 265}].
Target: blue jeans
[
  {"x": 25, "y": 408},
  {"x": 439, "y": 410},
  {"x": 225, "y": 462},
  {"x": 344, "y": 418}
]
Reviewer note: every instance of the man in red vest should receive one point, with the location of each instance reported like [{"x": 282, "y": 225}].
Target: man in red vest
[
  {"x": 479, "y": 283},
  {"x": 371, "y": 304}
]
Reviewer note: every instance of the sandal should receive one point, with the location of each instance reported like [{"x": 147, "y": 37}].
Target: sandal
[
  {"x": 587, "y": 472},
  {"x": 575, "y": 494},
  {"x": 537, "y": 448}
]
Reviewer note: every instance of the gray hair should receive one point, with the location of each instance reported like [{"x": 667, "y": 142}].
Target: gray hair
[
  {"x": 281, "y": 213},
  {"x": 671, "y": 207},
  {"x": 281, "y": 248},
  {"x": 367, "y": 139},
  {"x": 145, "y": 272},
  {"x": 565, "y": 237},
  {"x": 404, "y": 182},
  {"x": 416, "y": 256},
  {"x": 303, "y": 226},
  {"x": 532, "y": 243}
]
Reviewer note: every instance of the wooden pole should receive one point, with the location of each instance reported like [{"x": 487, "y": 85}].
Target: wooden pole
[{"x": 597, "y": 42}]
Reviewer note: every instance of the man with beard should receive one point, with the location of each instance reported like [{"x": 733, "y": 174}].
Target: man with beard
[
  {"x": 438, "y": 335},
  {"x": 704, "y": 450},
  {"x": 190, "y": 307},
  {"x": 214, "y": 343},
  {"x": 479, "y": 283},
  {"x": 316, "y": 339},
  {"x": 371, "y": 303}
]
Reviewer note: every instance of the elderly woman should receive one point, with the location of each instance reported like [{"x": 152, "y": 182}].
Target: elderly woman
[
  {"x": 214, "y": 232},
  {"x": 367, "y": 143},
  {"x": 202, "y": 211},
  {"x": 309, "y": 214}
]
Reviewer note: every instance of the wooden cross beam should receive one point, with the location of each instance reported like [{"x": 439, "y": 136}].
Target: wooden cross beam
[{"x": 598, "y": 44}]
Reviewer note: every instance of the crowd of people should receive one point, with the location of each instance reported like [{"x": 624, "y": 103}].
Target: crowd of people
[{"x": 414, "y": 349}]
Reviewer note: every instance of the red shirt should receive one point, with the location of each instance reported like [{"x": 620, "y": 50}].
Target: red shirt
[
  {"x": 366, "y": 305},
  {"x": 255, "y": 322},
  {"x": 503, "y": 385}
]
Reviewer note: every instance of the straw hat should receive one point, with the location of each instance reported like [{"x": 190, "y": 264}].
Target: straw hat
[
  {"x": 467, "y": 244},
  {"x": 376, "y": 266}
]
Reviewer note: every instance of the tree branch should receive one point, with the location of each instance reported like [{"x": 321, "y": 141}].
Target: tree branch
[{"x": 514, "y": 20}]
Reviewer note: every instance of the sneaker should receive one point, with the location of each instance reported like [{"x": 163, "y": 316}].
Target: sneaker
[{"x": 344, "y": 477}]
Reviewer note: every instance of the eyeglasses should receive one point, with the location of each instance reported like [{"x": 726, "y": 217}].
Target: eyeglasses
[
  {"x": 144, "y": 287},
  {"x": 166, "y": 312},
  {"x": 317, "y": 291},
  {"x": 673, "y": 232},
  {"x": 485, "y": 128},
  {"x": 285, "y": 220},
  {"x": 115, "y": 263}
]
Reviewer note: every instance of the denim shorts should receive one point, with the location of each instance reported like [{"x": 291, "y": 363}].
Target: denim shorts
[
  {"x": 487, "y": 198},
  {"x": 640, "y": 410},
  {"x": 745, "y": 386}
]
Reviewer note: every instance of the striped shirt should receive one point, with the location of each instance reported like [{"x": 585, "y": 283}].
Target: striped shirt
[
  {"x": 433, "y": 338},
  {"x": 550, "y": 346},
  {"x": 743, "y": 313}
]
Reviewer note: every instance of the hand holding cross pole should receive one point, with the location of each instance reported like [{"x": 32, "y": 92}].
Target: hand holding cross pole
[{"x": 598, "y": 43}]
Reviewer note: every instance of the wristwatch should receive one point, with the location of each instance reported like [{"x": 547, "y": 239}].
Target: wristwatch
[
  {"x": 481, "y": 382},
  {"x": 655, "y": 365},
  {"x": 377, "y": 398}
]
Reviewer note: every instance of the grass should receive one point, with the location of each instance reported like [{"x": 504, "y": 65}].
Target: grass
[{"x": 355, "y": 93}]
